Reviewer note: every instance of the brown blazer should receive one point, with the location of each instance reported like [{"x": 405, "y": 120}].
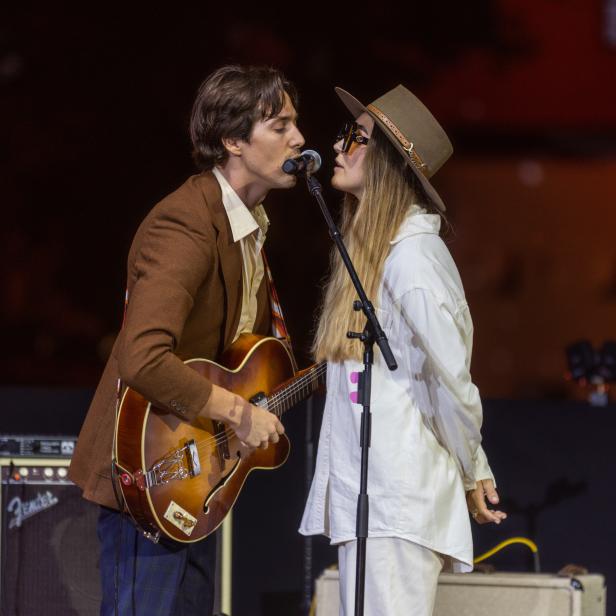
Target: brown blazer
[{"x": 184, "y": 300}]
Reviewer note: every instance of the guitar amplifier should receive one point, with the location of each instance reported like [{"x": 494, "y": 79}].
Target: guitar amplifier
[
  {"x": 505, "y": 594},
  {"x": 48, "y": 550}
]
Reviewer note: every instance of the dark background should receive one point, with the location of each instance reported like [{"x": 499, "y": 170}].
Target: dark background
[{"x": 94, "y": 105}]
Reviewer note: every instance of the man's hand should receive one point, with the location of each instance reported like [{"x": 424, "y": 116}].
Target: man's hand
[
  {"x": 254, "y": 426},
  {"x": 257, "y": 427},
  {"x": 476, "y": 501}
]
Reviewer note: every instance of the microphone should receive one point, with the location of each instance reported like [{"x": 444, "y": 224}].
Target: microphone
[{"x": 308, "y": 161}]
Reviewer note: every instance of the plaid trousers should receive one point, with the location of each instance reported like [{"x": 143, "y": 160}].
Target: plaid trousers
[{"x": 154, "y": 579}]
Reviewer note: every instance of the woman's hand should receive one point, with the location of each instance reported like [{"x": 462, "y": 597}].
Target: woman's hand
[{"x": 477, "y": 505}]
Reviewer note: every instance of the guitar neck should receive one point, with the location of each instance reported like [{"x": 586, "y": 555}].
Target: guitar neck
[{"x": 297, "y": 389}]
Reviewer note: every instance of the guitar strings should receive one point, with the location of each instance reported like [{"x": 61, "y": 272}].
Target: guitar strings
[
  {"x": 278, "y": 398},
  {"x": 296, "y": 386},
  {"x": 275, "y": 402}
]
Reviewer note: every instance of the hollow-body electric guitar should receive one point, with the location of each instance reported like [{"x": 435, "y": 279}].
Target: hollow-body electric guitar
[{"x": 180, "y": 479}]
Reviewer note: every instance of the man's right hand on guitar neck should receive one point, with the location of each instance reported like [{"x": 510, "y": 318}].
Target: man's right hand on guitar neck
[{"x": 254, "y": 426}]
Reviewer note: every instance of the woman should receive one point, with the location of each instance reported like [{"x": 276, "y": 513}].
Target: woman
[{"x": 426, "y": 464}]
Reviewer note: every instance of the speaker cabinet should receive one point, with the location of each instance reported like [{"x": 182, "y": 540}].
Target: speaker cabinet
[
  {"x": 504, "y": 594},
  {"x": 49, "y": 551}
]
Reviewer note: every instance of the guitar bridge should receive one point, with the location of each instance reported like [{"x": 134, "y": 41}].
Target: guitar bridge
[{"x": 192, "y": 457}]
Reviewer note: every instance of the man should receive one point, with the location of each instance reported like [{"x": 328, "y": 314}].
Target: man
[{"x": 196, "y": 281}]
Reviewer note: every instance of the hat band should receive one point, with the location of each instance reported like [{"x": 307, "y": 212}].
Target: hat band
[{"x": 407, "y": 146}]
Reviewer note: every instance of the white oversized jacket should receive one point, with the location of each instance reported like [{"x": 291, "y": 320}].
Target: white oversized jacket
[{"x": 426, "y": 416}]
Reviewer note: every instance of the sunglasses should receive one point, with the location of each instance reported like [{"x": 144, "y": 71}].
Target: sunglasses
[{"x": 348, "y": 134}]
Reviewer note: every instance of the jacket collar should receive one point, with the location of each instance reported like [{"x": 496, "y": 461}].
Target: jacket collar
[
  {"x": 242, "y": 221},
  {"x": 229, "y": 252}
]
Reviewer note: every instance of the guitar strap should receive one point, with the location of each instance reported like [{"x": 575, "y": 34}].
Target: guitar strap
[{"x": 279, "y": 327}]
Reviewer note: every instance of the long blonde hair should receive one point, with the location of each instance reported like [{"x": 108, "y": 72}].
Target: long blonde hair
[{"x": 368, "y": 225}]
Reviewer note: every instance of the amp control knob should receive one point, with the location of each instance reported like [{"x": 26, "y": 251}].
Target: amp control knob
[{"x": 48, "y": 473}]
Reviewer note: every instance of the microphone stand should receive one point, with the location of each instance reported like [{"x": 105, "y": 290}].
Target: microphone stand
[{"x": 372, "y": 333}]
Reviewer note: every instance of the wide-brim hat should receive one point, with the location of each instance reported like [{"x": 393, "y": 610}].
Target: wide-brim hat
[{"x": 412, "y": 129}]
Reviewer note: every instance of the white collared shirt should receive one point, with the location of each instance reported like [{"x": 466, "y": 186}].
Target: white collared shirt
[
  {"x": 249, "y": 229},
  {"x": 426, "y": 415}
]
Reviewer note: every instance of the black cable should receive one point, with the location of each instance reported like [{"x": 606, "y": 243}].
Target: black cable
[
  {"x": 134, "y": 576},
  {"x": 116, "y": 570},
  {"x": 5, "y": 498},
  {"x": 119, "y": 496},
  {"x": 119, "y": 500}
]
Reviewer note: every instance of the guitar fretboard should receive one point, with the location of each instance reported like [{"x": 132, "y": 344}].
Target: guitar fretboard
[{"x": 302, "y": 387}]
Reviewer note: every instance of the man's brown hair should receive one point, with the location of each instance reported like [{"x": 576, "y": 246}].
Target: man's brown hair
[{"x": 228, "y": 104}]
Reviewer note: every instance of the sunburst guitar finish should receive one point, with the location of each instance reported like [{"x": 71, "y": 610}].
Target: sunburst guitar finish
[{"x": 180, "y": 479}]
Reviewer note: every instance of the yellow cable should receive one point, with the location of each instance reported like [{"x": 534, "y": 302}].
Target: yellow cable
[{"x": 527, "y": 542}]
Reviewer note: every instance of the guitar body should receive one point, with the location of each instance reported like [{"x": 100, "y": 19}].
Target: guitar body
[{"x": 177, "y": 501}]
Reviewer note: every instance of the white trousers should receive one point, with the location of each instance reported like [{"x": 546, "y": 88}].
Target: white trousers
[{"x": 401, "y": 577}]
